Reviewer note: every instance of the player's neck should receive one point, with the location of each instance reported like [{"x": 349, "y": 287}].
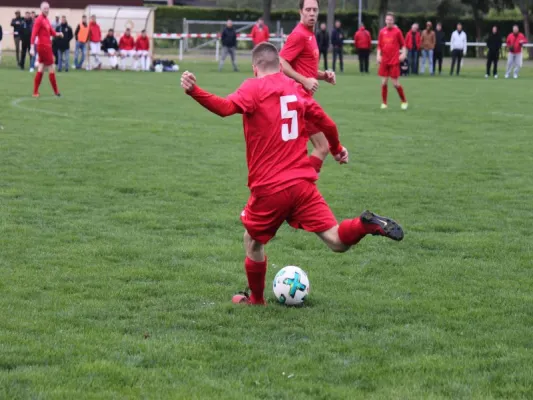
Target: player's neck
[{"x": 309, "y": 28}]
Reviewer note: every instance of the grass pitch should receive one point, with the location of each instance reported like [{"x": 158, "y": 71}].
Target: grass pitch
[{"x": 120, "y": 245}]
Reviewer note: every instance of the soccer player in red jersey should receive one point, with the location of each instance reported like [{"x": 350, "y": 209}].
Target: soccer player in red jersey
[
  {"x": 300, "y": 58},
  {"x": 281, "y": 179},
  {"x": 42, "y": 30},
  {"x": 391, "y": 52}
]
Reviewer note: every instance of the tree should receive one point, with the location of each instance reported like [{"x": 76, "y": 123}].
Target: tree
[
  {"x": 526, "y": 6},
  {"x": 383, "y": 7},
  {"x": 331, "y": 14},
  {"x": 267, "y": 10}
]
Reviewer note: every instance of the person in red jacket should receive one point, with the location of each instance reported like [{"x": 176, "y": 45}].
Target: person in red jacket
[
  {"x": 126, "y": 46},
  {"x": 260, "y": 32},
  {"x": 363, "y": 45},
  {"x": 412, "y": 42},
  {"x": 95, "y": 37},
  {"x": 142, "y": 46},
  {"x": 514, "y": 43}
]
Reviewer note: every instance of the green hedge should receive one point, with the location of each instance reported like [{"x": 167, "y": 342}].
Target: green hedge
[{"x": 169, "y": 19}]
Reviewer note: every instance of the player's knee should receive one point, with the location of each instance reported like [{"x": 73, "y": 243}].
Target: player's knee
[{"x": 338, "y": 247}]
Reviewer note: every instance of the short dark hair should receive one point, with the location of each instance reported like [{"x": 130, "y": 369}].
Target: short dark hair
[
  {"x": 265, "y": 56},
  {"x": 390, "y": 14},
  {"x": 143, "y": 31},
  {"x": 302, "y": 2}
]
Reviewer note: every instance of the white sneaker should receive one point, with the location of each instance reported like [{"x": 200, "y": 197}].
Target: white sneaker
[
  {"x": 32, "y": 70},
  {"x": 506, "y": 76},
  {"x": 384, "y": 106},
  {"x": 515, "y": 76},
  {"x": 495, "y": 76},
  {"x": 405, "y": 106},
  {"x": 486, "y": 76}
]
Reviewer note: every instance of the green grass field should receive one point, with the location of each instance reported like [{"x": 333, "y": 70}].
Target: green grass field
[{"x": 120, "y": 245}]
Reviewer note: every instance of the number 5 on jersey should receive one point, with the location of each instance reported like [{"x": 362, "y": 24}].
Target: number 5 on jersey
[{"x": 286, "y": 133}]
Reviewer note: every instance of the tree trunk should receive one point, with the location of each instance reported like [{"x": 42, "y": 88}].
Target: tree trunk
[
  {"x": 479, "y": 50},
  {"x": 331, "y": 14},
  {"x": 267, "y": 10},
  {"x": 527, "y": 30},
  {"x": 382, "y": 10}
]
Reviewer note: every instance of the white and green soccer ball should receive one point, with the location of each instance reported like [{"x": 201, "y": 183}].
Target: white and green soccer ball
[{"x": 291, "y": 286}]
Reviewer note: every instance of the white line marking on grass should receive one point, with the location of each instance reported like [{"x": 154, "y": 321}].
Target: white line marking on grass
[
  {"x": 505, "y": 114},
  {"x": 16, "y": 103}
]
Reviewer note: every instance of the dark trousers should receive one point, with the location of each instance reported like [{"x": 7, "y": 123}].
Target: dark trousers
[
  {"x": 492, "y": 59},
  {"x": 457, "y": 57},
  {"x": 324, "y": 53},
  {"x": 364, "y": 56},
  {"x": 437, "y": 57},
  {"x": 413, "y": 61},
  {"x": 337, "y": 52},
  {"x": 17, "y": 48},
  {"x": 55, "y": 51},
  {"x": 24, "y": 50}
]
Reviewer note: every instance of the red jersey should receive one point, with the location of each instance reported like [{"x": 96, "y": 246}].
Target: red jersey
[
  {"x": 126, "y": 43},
  {"x": 95, "y": 33},
  {"x": 515, "y": 42},
  {"x": 260, "y": 35},
  {"x": 362, "y": 39},
  {"x": 275, "y": 109},
  {"x": 142, "y": 43},
  {"x": 301, "y": 51},
  {"x": 42, "y": 30},
  {"x": 390, "y": 42}
]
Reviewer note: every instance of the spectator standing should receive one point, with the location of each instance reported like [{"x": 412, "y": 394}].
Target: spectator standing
[
  {"x": 337, "y": 40},
  {"x": 427, "y": 44},
  {"x": 322, "y": 39},
  {"x": 25, "y": 38},
  {"x": 260, "y": 32},
  {"x": 412, "y": 42},
  {"x": 16, "y": 23},
  {"x": 126, "y": 45},
  {"x": 514, "y": 43},
  {"x": 229, "y": 44},
  {"x": 110, "y": 48},
  {"x": 494, "y": 44},
  {"x": 458, "y": 48},
  {"x": 95, "y": 37},
  {"x": 63, "y": 44},
  {"x": 55, "y": 24},
  {"x": 363, "y": 45},
  {"x": 440, "y": 43},
  {"x": 82, "y": 37},
  {"x": 1, "y": 37},
  {"x": 142, "y": 48}
]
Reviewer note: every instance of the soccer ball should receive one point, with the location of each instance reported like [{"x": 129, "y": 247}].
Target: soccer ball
[{"x": 291, "y": 286}]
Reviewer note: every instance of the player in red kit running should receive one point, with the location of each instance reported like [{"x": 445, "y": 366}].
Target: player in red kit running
[
  {"x": 300, "y": 57},
  {"x": 281, "y": 179},
  {"x": 390, "y": 44},
  {"x": 42, "y": 30}
]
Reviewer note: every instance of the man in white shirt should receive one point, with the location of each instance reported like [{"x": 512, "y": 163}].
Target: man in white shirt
[{"x": 458, "y": 48}]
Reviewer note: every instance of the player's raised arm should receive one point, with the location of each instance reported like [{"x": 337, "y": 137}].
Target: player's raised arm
[
  {"x": 315, "y": 114},
  {"x": 217, "y": 105}
]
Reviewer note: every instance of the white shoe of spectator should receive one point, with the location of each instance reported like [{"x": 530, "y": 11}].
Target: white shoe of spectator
[
  {"x": 506, "y": 76},
  {"x": 486, "y": 76},
  {"x": 515, "y": 76},
  {"x": 495, "y": 76},
  {"x": 32, "y": 70}
]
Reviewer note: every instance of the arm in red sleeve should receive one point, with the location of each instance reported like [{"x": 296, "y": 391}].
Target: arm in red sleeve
[
  {"x": 36, "y": 28},
  {"x": 316, "y": 115},
  {"x": 217, "y": 105}
]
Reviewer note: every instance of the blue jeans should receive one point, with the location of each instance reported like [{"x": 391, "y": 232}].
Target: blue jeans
[
  {"x": 32, "y": 62},
  {"x": 413, "y": 61},
  {"x": 427, "y": 55},
  {"x": 63, "y": 55},
  {"x": 80, "y": 48}
]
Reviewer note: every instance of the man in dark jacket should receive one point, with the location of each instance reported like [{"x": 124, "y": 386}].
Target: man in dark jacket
[
  {"x": 322, "y": 38},
  {"x": 229, "y": 44},
  {"x": 63, "y": 44},
  {"x": 494, "y": 44},
  {"x": 110, "y": 48},
  {"x": 1, "y": 37},
  {"x": 25, "y": 38},
  {"x": 16, "y": 24},
  {"x": 337, "y": 40},
  {"x": 440, "y": 43}
]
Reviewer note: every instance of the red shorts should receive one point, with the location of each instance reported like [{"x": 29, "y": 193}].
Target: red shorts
[
  {"x": 301, "y": 205},
  {"x": 46, "y": 57},
  {"x": 389, "y": 70}
]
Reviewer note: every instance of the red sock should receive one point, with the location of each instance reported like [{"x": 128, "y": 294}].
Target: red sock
[
  {"x": 351, "y": 231},
  {"x": 37, "y": 82},
  {"x": 316, "y": 163},
  {"x": 401, "y": 93},
  {"x": 256, "y": 272},
  {"x": 384, "y": 93},
  {"x": 53, "y": 82}
]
